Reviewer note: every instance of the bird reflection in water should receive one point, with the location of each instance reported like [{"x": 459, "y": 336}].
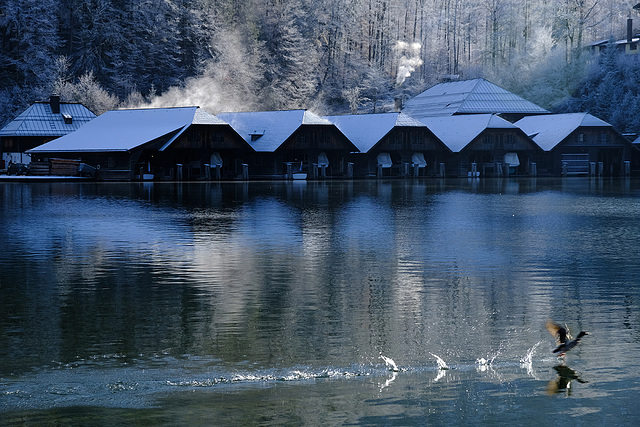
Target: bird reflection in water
[{"x": 562, "y": 384}]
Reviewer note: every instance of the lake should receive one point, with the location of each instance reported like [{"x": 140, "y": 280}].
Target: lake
[{"x": 390, "y": 302}]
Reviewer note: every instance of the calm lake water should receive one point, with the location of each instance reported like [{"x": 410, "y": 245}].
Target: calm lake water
[{"x": 285, "y": 303}]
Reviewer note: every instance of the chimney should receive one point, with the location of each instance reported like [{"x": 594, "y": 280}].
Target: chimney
[
  {"x": 397, "y": 104},
  {"x": 54, "y": 102},
  {"x": 629, "y": 30}
]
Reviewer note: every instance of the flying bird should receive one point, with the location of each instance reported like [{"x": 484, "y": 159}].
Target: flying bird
[{"x": 563, "y": 339}]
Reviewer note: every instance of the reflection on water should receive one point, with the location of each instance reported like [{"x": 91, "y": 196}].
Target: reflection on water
[
  {"x": 562, "y": 384},
  {"x": 329, "y": 302}
]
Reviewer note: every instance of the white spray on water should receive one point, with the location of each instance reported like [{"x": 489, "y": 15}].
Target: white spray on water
[
  {"x": 390, "y": 363},
  {"x": 528, "y": 358},
  {"x": 484, "y": 364},
  {"x": 526, "y": 361},
  {"x": 441, "y": 363},
  {"x": 393, "y": 368}
]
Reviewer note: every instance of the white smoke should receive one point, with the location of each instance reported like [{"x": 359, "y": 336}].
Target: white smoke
[
  {"x": 408, "y": 61},
  {"x": 202, "y": 91},
  {"x": 229, "y": 82}
]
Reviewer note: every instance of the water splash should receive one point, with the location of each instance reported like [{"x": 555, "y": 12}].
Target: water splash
[
  {"x": 442, "y": 365},
  {"x": 526, "y": 361},
  {"x": 389, "y": 380},
  {"x": 528, "y": 357},
  {"x": 484, "y": 364},
  {"x": 266, "y": 377},
  {"x": 390, "y": 363}
]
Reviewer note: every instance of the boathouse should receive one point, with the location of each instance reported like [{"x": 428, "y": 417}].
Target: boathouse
[
  {"x": 484, "y": 145},
  {"x": 154, "y": 143},
  {"x": 292, "y": 144},
  {"x": 391, "y": 144},
  {"x": 38, "y": 124},
  {"x": 477, "y": 96},
  {"x": 579, "y": 144}
]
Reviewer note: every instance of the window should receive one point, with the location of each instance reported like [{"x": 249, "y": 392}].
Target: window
[
  {"x": 510, "y": 140},
  {"x": 216, "y": 137},
  {"x": 604, "y": 138},
  {"x": 581, "y": 138},
  {"x": 195, "y": 139}
]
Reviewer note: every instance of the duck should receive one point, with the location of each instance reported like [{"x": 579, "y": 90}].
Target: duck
[{"x": 563, "y": 339}]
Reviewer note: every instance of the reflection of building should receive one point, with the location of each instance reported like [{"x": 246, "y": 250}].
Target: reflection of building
[
  {"x": 290, "y": 142},
  {"x": 392, "y": 141},
  {"x": 38, "y": 124},
  {"x": 154, "y": 143},
  {"x": 579, "y": 144}
]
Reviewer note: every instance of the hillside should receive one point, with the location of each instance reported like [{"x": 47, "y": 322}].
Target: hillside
[{"x": 327, "y": 55}]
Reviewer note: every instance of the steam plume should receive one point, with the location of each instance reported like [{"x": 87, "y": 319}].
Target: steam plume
[{"x": 409, "y": 60}]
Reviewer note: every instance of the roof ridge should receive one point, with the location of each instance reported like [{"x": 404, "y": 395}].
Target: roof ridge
[
  {"x": 478, "y": 81},
  {"x": 175, "y": 107}
]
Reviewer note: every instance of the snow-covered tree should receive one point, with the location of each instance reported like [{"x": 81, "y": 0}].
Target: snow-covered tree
[
  {"x": 89, "y": 93},
  {"x": 291, "y": 56},
  {"x": 297, "y": 54},
  {"x": 29, "y": 42}
]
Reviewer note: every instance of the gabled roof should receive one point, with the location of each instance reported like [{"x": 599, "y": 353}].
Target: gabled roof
[
  {"x": 458, "y": 131},
  {"x": 366, "y": 130},
  {"x": 39, "y": 120},
  {"x": 549, "y": 130},
  {"x": 265, "y": 131},
  {"x": 202, "y": 117},
  {"x": 477, "y": 96},
  {"x": 124, "y": 130}
]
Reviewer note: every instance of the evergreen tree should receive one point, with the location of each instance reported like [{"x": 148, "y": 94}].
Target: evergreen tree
[
  {"x": 291, "y": 57},
  {"x": 297, "y": 54},
  {"x": 29, "y": 42}
]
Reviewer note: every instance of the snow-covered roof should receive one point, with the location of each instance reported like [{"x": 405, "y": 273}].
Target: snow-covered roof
[
  {"x": 477, "y": 96},
  {"x": 265, "y": 131},
  {"x": 366, "y": 130},
  {"x": 616, "y": 42},
  {"x": 39, "y": 120},
  {"x": 202, "y": 117},
  {"x": 549, "y": 130},
  {"x": 458, "y": 131},
  {"x": 123, "y": 130}
]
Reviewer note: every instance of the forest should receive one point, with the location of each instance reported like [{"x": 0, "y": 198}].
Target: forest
[{"x": 330, "y": 56}]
